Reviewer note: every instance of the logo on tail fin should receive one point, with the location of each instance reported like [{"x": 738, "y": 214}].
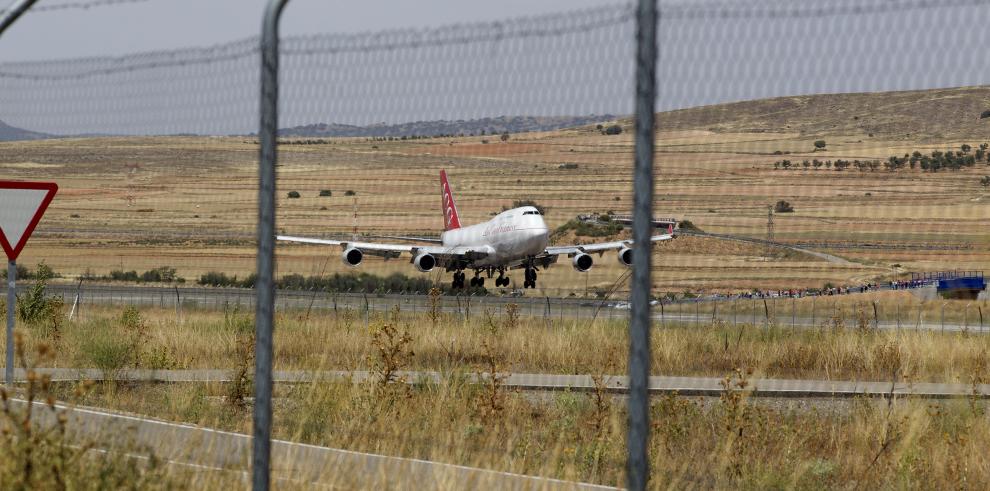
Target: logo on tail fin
[{"x": 450, "y": 221}]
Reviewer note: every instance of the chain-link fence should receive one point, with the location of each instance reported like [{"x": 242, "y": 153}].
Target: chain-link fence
[{"x": 813, "y": 158}]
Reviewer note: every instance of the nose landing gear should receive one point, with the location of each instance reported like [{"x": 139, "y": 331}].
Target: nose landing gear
[
  {"x": 458, "y": 282},
  {"x": 502, "y": 280},
  {"x": 478, "y": 280}
]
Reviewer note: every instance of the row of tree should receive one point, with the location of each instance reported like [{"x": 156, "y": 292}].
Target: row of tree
[
  {"x": 932, "y": 162},
  {"x": 504, "y": 136},
  {"x": 355, "y": 282}
]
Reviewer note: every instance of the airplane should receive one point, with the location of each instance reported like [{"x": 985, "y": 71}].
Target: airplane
[{"x": 513, "y": 239}]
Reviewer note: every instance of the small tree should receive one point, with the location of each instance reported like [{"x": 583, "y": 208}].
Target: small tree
[
  {"x": 294, "y": 194},
  {"x": 965, "y": 148},
  {"x": 505, "y": 136},
  {"x": 819, "y": 145},
  {"x": 326, "y": 192},
  {"x": 783, "y": 207},
  {"x": 985, "y": 181},
  {"x": 613, "y": 130}
]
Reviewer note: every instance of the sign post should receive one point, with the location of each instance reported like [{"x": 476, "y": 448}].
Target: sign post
[{"x": 22, "y": 205}]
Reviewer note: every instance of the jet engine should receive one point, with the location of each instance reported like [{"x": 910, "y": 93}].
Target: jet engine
[
  {"x": 582, "y": 262},
  {"x": 425, "y": 262},
  {"x": 625, "y": 256},
  {"x": 352, "y": 256}
]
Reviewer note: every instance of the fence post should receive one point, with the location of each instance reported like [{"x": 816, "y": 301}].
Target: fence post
[
  {"x": 637, "y": 463},
  {"x": 265, "y": 288},
  {"x": 793, "y": 311},
  {"x": 11, "y": 308}
]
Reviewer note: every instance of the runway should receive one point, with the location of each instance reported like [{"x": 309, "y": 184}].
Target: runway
[{"x": 550, "y": 309}]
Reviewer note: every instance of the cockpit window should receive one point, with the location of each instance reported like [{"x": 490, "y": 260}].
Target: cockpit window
[{"x": 534, "y": 212}]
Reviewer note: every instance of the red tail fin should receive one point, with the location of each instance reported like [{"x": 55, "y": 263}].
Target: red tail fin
[{"x": 450, "y": 221}]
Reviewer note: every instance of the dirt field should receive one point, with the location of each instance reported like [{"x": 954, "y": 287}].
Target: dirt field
[{"x": 190, "y": 202}]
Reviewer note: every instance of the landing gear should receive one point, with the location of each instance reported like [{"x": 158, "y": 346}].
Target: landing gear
[
  {"x": 530, "y": 280},
  {"x": 458, "y": 282},
  {"x": 478, "y": 281},
  {"x": 502, "y": 280}
]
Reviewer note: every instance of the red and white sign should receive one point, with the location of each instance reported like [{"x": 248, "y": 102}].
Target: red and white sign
[{"x": 22, "y": 205}]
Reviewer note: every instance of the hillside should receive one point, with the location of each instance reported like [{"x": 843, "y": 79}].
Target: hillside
[
  {"x": 497, "y": 125},
  {"x": 10, "y": 133},
  {"x": 914, "y": 115}
]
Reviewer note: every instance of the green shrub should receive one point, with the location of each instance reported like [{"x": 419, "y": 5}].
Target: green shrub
[
  {"x": 613, "y": 130},
  {"x": 105, "y": 349},
  {"x": 326, "y": 193},
  {"x": 35, "y": 306},
  {"x": 589, "y": 229},
  {"x": 783, "y": 207},
  {"x": 294, "y": 194},
  {"x": 163, "y": 274}
]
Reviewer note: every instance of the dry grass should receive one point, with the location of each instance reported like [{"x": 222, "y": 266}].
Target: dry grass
[
  {"x": 732, "y": 442},
  {"x": 729, "y": 442},
  {"x": 847, "y": 349}
]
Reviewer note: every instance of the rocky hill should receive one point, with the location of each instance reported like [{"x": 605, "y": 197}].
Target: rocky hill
[
  {"x": 937, "y": 114},
  {"x": 10, "y": 133}
]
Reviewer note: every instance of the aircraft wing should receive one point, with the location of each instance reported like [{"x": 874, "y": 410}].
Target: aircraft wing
[
  {"x": 395, "y": 250},
  {"x": 600, "y": 246}
]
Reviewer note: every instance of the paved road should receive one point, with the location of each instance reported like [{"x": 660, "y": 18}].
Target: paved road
[
  {"x": 307, "y": 465},
  {"x": 700, "y": 386},
  {"x": 550, "y": 309}
]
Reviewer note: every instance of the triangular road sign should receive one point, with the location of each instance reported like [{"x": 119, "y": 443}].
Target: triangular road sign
[{"x": 21, "y": 206}]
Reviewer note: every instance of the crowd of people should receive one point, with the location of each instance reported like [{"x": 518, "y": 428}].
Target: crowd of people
[{"x": 827, "y": 291}]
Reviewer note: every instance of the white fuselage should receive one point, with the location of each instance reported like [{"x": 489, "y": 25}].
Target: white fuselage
[{"x": 510, "y": 236}]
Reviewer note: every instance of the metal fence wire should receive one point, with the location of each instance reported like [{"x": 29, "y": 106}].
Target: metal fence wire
[{"x": 814, "y": 153}]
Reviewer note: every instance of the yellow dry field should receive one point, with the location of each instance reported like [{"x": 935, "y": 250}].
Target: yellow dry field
[{"x": 190, "y": 203}]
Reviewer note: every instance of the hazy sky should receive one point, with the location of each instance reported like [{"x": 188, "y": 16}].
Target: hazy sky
[
  {"x": 166, "y": 24},
  {"x": 363, "y": 64}
]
